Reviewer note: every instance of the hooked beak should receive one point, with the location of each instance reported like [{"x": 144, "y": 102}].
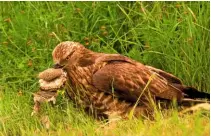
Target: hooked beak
[{"x": 57, "y": 66}]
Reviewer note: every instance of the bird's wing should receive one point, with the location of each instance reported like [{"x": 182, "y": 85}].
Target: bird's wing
[
  {"x": 117, "y": 57},
  {"x": 128, "y": 81},
  {"x": 171, "y": 78}
]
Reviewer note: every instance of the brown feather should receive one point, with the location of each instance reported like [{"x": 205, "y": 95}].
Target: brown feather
[{"x": 108, "y": 84}]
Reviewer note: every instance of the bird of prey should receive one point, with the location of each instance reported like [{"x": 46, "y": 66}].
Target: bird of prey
[{"x": 115, "y": 85}]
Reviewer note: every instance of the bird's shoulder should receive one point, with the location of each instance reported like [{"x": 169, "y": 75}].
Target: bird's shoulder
[
  {"x": 114, "y": 57},
  {"x": 94, "y": 58}
]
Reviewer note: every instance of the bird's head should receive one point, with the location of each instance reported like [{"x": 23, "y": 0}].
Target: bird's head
[{"x": 63, "y": 52}]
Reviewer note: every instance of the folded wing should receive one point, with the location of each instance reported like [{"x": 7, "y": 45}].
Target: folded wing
[{"x": 127, "y": 81}]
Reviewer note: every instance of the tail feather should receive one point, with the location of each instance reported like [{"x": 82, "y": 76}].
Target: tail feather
[
  {"x": 192, "y": 96},
  {"x": 193, "y": 93}
]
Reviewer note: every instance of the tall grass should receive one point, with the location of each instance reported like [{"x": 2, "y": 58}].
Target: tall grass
[{"x": 173, "y": 36}]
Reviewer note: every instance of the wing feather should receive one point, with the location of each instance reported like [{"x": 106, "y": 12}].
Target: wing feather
[
  {"x": 171, "y": 78},
  {"x": 128, "y": 81}
]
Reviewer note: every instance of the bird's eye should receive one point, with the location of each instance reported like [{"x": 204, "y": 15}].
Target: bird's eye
[{"x": 67, "y": 58}]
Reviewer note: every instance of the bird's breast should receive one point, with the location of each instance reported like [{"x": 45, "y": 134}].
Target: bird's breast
[{"x": 80, "y": 78}]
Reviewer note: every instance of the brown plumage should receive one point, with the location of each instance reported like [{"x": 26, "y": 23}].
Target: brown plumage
[{"x": 112, "y": 84}]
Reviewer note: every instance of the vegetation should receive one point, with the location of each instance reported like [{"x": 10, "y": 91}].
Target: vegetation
[{"x": 173, "y": 36}]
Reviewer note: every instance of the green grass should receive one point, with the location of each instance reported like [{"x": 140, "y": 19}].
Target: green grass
[{"x": 173, "y": 36}]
